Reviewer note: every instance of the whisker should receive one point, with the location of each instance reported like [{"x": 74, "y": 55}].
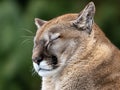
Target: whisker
[
  {"x": 29, "y": 31},
  {"x": 24, "y": 41},
  {"x": 27, "y": 36},
  {"x": 33, "y": 72},
  {"x": 60, "y": 64}
]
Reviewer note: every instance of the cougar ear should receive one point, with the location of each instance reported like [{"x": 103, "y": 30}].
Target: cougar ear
[
  {"x": 39, "y": 22},
  {"x": 85, "y": 19}
]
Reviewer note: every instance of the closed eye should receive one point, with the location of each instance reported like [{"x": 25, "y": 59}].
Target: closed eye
[{"x": 55, "y": 36}]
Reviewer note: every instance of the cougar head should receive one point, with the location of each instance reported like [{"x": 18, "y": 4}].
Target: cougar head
[{"x": 57, "y": 40}]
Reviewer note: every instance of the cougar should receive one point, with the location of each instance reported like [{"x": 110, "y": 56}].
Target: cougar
[{"x": 72, "y": 53}]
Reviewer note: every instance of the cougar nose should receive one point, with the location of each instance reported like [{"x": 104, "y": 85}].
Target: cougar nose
[{"x": 37, "y": 60}]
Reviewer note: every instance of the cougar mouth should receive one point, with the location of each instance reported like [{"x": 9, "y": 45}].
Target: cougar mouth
[
  {"x": 54, "y": 60},
  {"x": 46, "y": 64},
  {"x": 53, "y": 63}
]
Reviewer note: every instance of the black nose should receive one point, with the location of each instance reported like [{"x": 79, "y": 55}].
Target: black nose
[{"x": 38, "y": 60}]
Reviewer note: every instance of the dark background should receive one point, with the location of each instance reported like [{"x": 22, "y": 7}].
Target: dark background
[{"x": 17, "y": 29}]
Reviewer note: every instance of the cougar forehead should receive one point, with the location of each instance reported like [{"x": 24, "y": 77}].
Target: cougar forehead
[{"x": 59, "y": 20}]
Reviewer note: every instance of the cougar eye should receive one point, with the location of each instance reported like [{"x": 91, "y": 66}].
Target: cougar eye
[{"x": 55, "y": 36}]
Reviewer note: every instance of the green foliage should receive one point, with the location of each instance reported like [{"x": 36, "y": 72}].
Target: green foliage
[{"x": 17, "y": 30}]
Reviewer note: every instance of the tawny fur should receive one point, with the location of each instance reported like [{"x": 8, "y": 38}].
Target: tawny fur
[
  {"x": 97, "y": 69},
  {"x": 92, "y": 65}
]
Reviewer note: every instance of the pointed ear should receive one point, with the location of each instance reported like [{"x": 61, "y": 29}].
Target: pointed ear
[
  {"x": 85, "y": 19},
  {"x": 39, "y": 22}
]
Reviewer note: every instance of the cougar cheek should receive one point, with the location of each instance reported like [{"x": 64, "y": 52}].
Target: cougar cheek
[{"x": 58, "y": 49}]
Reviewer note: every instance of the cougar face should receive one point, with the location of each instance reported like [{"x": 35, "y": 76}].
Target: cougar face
[{"x": 57, "y": 40}]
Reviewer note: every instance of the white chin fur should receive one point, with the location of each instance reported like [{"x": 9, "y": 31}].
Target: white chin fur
[
  {"x": 45, "y": 73},
  {"x": 53, "y": 72}
]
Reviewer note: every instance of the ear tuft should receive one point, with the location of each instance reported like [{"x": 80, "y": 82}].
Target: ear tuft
[
  {"x": 85, "y": 18},
  {"x": 39, "y": 22}
]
